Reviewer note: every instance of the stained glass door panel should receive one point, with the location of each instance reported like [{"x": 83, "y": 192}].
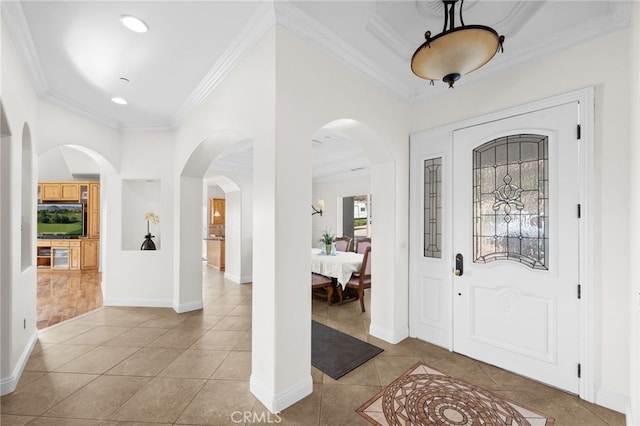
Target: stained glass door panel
[
  {"x": 510, "y": 199},
  {"x": 515, "y": 191}
]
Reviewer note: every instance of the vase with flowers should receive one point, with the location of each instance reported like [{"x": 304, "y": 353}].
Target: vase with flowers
[
  {"x": 148, "y": 243},
  {"x": 327, "y": 240}
]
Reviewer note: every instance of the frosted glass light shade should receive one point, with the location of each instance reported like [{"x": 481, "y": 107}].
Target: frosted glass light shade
[{"x": 454, "y": 53}]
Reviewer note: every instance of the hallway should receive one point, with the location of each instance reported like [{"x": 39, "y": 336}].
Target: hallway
[{"x": 117, "y": 364}]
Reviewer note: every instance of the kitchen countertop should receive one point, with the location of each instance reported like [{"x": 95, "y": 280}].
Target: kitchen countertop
[{"x": 214, "y": 238}]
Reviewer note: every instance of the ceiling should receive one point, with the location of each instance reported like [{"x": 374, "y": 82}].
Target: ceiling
[{"x": 77, "y": 52}]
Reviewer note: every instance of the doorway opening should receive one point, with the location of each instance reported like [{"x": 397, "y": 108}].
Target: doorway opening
[{"x": 356, "y": 220}]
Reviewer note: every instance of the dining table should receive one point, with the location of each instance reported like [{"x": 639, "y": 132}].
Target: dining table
[{"x": 339, "y": 266}]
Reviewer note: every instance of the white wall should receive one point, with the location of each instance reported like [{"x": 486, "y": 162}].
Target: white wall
[
  {"x": 18, "y": 284},
  {"x": 65, "y": 164},
  {"x": 610, "y": 208},
  {"x": 214, "y": 191},
  {"x": 140, "y": 278},
  {"x": 633, "y": 411},
  {"x": 378, "y": 122},
  {"x": 53, "y": 166},
  {"x": 280, "y": 185}
]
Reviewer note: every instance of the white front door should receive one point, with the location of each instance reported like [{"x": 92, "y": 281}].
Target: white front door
[
  {"x": 511, "y": 229},
  {"x": 516, "y": 228}
]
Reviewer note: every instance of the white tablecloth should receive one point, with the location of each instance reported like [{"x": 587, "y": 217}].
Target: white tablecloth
[{"x": 339, "y": 266}]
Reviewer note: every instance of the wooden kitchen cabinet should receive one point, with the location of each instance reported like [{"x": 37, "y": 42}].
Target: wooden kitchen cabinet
[
  {"x": 60, "y": 191},
  {"x": 68, "y": 255},
  {"x": 215, "y": 253},
  {"x": 74, "y": 255},
  {"x": 90, "y": 253},
  {"x": 71, "y": 254},
  {"x": 93, "y": 214},
  {"x": 216, "y": 211},
  {"x": 63, "y": 255}
]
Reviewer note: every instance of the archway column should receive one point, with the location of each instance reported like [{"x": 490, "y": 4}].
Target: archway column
[
  {"x": 187, "y": 287},
  {"x": 389, "y": 311},
  {"x": 281, "y": 333}
]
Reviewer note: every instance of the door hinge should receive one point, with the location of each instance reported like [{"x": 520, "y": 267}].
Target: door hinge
[
  {"x": 579, "y": 291},
  {"x": 579, "y": 371},
  {"x": 579, "y": 211},
  {"x": 578, "y": 132}
]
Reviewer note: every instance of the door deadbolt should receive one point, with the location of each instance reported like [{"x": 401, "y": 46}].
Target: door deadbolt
[{"x": 459, "y": 265}]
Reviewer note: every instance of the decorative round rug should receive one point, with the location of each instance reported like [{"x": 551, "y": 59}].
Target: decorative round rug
[{"x": 424, "y": 396}]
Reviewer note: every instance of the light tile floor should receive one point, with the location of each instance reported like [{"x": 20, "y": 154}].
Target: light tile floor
[{"x": 141, "y": 366}]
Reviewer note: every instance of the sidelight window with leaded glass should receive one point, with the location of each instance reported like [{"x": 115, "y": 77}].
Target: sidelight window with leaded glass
[
  {"x": 511, "y": 200},
  {"x": 433, "y": 207}
]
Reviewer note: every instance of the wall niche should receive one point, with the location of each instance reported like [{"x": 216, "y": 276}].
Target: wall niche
[{"x": 140, "y": 197}]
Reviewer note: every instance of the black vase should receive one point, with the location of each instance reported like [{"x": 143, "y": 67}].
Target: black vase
[{"x": 148, "y": 243}]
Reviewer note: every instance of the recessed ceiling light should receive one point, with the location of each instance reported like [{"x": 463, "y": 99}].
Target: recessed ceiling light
[
  {"x": 134, "y": 24},
  {"x": 119, "y": 101},
  {"x": 124, "y": 79}
]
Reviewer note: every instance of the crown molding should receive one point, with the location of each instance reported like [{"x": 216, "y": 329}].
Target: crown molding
[
  {"x": 293, "y": 19},
  {"x": 66, "y": 103},
  {"x": 70, "y": 105},
  {"x": 378, "y": 27},
  {"x": 18, "y": 28},
  {"x": 255, "y": 29}
]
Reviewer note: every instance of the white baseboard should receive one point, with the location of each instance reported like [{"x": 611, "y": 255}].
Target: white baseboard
[
  {"x": 145, "y": 303},
  {"x": 188, "y": 307},
  {"x": 631, "y": 421},
  {"x": 8, "y": 384},
  {"x": 612, "y": 400},
  {"x": 391, "y": 336},
  {"x": 237, "y": 278},
  {"x": 278, "y": 402}
]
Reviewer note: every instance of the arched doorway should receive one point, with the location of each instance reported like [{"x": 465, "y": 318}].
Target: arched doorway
[
  {"x": 195, "y": 173},
  {"x": 368, "y": 168},
  {"x": 69, "y": 256}
]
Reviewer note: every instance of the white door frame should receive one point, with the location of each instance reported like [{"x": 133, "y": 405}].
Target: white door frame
[{"x": 585, "y": 97}]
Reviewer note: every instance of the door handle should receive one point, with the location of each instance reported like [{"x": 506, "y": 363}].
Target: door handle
[{"x": 459, "y": 265}]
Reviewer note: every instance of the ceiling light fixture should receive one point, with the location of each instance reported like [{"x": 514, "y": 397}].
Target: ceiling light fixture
[
  {"x": 119, "y": 101},
  {"x": 134, "y": 24},
  {"x": 455, "y": 51}
]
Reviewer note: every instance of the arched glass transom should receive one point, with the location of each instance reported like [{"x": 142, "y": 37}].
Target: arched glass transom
[{"x": 510, "y": 200}]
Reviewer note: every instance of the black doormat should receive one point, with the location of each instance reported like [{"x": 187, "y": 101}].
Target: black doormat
[{"x": 335, "y": 353}]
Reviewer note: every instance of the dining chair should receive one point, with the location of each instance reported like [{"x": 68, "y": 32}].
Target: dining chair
[
  {"x": 320, "y": 282},
  {"x": 362, "y": 280},
  {"x": 362, "y": 244},
  {"x": 342, "y": 243}
]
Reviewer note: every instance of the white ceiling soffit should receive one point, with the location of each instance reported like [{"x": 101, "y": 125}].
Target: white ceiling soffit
[{"x": 334, "y": 156}]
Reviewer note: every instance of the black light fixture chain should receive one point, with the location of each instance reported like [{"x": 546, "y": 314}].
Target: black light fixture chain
[{"x": 446, "y": 15}]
